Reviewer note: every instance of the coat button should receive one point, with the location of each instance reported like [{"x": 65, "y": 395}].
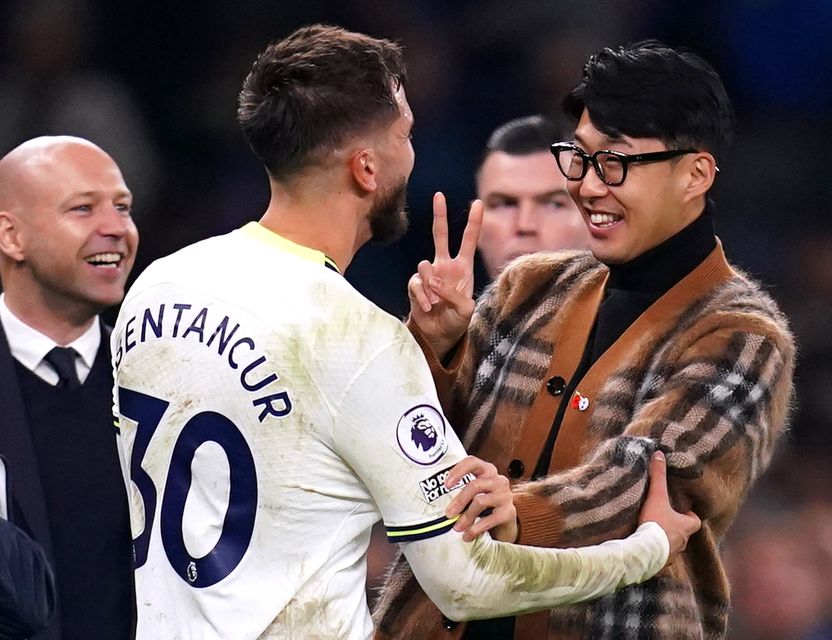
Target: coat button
[
  {"x": 448, "y": 624},
  {"x": 556, "y": 386},
  {"x": 516, "y": 468}
]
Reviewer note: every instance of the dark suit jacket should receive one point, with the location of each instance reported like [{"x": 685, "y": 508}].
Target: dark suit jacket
[{"x": 27, "y": 506}]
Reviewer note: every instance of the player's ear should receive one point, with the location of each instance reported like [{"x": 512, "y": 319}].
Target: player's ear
[
  {"x": 364, "y": 169},
  {"x": 701, "y": 176},
  {"x": 11, "y": 240}
]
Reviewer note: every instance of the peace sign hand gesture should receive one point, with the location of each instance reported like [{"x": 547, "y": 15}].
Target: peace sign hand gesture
[{"x": 441, "y": 292}]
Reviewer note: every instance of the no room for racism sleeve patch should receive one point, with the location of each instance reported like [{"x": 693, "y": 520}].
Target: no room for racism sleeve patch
[
  {"x": 420, "y": 434},
  {"x": 434, "y": 487}
]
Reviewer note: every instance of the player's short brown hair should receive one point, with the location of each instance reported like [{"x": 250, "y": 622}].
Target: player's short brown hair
[{"x": 310, "y": 91}]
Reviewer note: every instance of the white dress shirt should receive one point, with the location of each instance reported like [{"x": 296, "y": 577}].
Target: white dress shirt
[{"x": 29, "y": 346}]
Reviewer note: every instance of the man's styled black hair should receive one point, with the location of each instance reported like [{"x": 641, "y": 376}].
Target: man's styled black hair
[
  {"x": 309, "y": 92},
  {"x": 649, "y": 90}
]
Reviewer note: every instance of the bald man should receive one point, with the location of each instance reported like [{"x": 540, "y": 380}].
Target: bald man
[{"x": 67, "y": 244}]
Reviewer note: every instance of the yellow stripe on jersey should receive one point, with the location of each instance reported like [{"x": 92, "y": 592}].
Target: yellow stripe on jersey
[
  {"x": 258, "y": 231},
  {"x": 420, "y": 531}
]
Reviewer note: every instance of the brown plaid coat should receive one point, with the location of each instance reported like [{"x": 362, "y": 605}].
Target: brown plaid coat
[{"x": 705, "y": 373}]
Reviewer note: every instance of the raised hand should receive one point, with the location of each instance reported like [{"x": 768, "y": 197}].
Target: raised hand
[
  {"x": 441, "y": 292},
  {"x": 678, "y": 526}
]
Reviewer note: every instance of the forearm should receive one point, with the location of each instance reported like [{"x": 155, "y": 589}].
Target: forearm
[
  {"x": 448, "y": 377},
  {"x": 453, "y": 364},
  {"x": 487, "y": 579}
]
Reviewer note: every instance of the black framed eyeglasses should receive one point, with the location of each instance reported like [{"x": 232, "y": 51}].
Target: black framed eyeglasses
[{"x": 611, "y": 166}]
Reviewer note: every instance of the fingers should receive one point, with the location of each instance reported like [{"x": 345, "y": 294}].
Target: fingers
[
  {"x": 416, "y": 294},
  {"x": 494, "y": 495},
  {"x": 470, "y": 464},
  {"x": 471, "y": 235},
  {"x": 459, "y": 301},
  {"x": 479, "y": 504},
  {"x": 488, "y": 498},
  {"x": 426, "y": 274},
  {"x": 479, "y": 495},
  {"x": 503, "y": 518},
  {"x": 440, "y": 226},
  {"x": 487, "y": 480},
  {"x": 418, "y": 289}
]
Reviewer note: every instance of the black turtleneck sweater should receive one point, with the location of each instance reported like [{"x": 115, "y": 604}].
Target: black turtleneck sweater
[
  {"x": 634, "y": 286},
  {"x": 631, "y": 288}
]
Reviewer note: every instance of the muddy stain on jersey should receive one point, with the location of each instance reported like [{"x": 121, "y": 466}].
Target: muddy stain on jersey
[
  {"x": 307, "y": 620},
  {"x": 527, "y": 569}
]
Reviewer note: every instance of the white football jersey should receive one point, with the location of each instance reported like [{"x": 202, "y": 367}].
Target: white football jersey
[{"x": 269, "y": 416}]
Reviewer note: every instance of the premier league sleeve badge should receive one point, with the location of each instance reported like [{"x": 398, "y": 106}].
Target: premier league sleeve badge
[{"x": 420, "y": 434}]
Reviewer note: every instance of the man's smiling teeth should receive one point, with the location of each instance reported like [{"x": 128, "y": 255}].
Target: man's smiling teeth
[
  {"x": 603, "y": 219},
  {"x": 105, "y": 259}
]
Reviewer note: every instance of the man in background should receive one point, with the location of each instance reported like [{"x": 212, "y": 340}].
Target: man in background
[
  {"x": 527, "y": 206},
  {"x": 67, "y": 244}
]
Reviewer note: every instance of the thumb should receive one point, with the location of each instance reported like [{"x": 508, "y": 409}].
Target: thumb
[
  {"x": 694, "y": 522},
  {"x": 658, "y": 478}
]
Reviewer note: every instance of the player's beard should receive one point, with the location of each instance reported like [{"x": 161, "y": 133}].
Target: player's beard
[{"x": 388, "y": 216}]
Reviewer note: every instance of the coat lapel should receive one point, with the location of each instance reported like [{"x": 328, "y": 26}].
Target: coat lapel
[
  {"x": 568, "y": 332},
  {"x": 654, "y": 322}
]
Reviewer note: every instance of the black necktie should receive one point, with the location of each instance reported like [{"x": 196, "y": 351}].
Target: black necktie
[{"x": 62, "y": 360}]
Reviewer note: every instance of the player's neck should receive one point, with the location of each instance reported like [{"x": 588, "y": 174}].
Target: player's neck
[{"x": 325, "y": 220}]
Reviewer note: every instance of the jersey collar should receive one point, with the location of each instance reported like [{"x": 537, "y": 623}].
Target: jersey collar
[{"x": 261, "y": 233}]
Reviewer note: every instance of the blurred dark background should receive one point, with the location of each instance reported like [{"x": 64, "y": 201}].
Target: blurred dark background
[{"x": 155, "y": 84}]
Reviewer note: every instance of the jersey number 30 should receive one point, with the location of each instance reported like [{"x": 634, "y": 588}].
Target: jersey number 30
[{"x": 238, "y": 524}]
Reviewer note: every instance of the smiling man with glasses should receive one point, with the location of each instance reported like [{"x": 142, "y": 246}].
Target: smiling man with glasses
[{"x": 575, "y": 366}]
